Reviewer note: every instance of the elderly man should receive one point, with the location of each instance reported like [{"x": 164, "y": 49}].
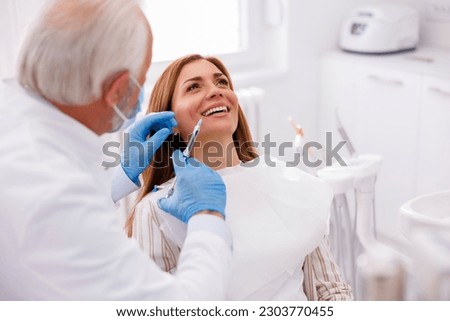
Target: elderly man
[{"x": 81, "y": 71}]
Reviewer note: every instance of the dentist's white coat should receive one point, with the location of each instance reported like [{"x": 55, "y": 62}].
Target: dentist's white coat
[{"x": 59, "y": 237}]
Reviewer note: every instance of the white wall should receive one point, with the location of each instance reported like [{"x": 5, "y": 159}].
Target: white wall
[{"x": 15, "y": 17}]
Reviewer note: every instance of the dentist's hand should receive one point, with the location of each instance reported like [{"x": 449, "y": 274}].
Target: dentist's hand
[
  {"x": 138, "y": 150},
  {"x": 198, "y": 188}
]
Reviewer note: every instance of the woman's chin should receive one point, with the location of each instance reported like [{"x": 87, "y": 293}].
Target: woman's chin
[{"x": 217, "y": 133}]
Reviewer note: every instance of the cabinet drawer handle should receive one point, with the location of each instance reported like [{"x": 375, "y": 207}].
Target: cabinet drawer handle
[
  {"x": 385, "y": 80},
  {"x": 439, "y": 91}
]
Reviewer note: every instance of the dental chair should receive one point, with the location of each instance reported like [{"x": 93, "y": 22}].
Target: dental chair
[{"x": 354, "y": 234}]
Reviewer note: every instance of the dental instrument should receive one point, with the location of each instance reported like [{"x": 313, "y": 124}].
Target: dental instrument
[
  {"x": 299, "y": 133},
  {"x": 187, "y": 152},
  {"x": 297, "y": 128},
  {"x": 304, "y": 150}
]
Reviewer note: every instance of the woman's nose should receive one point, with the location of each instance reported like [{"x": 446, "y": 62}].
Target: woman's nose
[{"x": 213, "y": 91}]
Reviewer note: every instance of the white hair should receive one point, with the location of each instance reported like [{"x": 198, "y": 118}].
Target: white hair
[{"x": 77, "y": 45}]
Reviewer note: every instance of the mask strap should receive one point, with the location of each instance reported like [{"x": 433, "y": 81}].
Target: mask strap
[
  {"x": 118, "y": 112},
  {"x": 116, "y": 109},
  {"x": 135, "y": 82}
]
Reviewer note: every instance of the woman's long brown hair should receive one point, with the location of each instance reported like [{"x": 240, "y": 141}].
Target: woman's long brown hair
[{"x": 161, "y": 168}]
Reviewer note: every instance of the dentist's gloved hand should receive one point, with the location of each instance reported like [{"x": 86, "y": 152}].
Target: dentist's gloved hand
[
  {"x": 198, "y": 188},
  {"x": 138, "y": 150}
]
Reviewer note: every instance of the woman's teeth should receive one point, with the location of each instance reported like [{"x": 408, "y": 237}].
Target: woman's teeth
[{"x": 215, "y": 110}]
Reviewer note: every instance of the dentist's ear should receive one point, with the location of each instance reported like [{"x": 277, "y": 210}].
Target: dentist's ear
[{"x": 117, "y": 89}]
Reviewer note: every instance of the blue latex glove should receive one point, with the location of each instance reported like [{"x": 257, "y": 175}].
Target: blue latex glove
[
  {"x": 197, "y": 188},
  {"x": 138, "y": 150}
]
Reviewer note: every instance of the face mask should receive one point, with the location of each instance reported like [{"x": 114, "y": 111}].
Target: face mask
[{"x": 128, "y": 121}]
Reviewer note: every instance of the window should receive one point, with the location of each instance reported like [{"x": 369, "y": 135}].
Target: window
[
  {"x": 249, "y": 36},
  {"x": 209, "y": 27}
]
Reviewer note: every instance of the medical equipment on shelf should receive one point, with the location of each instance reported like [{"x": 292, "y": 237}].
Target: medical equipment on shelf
[
  {"x": 187, "y": 152},
  {"x": 425, "y": 222},
  {"x": 380, "y": 29}
]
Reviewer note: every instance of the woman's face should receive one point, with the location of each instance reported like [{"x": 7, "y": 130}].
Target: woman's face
[{"x": 203, "y": 91}]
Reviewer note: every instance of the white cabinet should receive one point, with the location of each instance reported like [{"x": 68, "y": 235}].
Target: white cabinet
[
  {"x": 389, "y": 107},
  {"x": 433, "y": 171}
]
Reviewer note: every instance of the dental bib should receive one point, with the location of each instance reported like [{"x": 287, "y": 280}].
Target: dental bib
[{"x": 277, "y": 216}]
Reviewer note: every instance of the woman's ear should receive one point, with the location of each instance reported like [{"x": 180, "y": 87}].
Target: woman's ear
[{"x": 117, "y": 89}]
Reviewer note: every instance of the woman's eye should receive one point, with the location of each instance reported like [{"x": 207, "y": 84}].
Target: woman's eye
[
  {"x": 193, "y": 86},
  {"x": 223, "y": 81}
]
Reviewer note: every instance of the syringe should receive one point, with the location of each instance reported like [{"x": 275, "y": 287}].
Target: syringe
[{"x": 187, "y": 152}]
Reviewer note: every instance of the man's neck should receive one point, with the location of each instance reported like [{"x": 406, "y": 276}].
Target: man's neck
[{"x": 94, "y": 116}]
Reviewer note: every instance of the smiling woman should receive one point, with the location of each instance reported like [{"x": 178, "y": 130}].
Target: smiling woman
[
  {"x": 203, "y": 90},
  {"x": 277, "y": 215}
]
